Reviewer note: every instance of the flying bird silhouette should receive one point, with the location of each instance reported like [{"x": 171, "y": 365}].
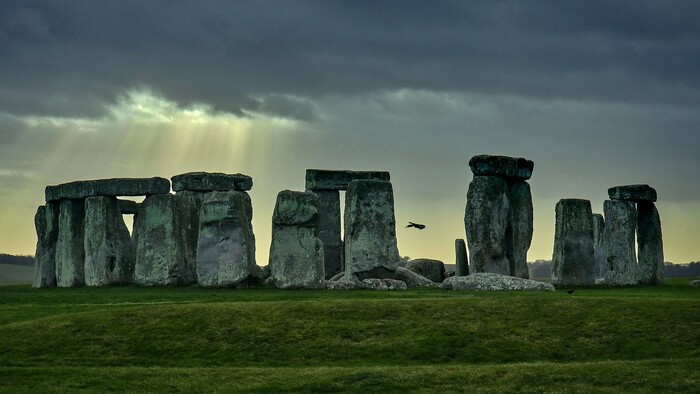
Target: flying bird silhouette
[{"x": 416, "y": 225}]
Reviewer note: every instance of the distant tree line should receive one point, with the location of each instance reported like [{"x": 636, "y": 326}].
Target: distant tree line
[
  {"x": 543, "y": 269},
  {"x": 16, "y": 260}
]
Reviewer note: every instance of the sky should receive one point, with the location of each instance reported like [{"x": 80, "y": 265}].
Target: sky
[{"x": 596, "y": 93}]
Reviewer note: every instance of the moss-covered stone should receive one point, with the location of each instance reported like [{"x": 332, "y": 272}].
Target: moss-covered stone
[
  {"x": 621, "y": 260},
  {"x": 573, "y": 262}
]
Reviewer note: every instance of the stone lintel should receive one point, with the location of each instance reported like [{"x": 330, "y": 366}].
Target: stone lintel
[
  {"x": 501, "y": 166},
  {"x": 340, "y": 179},
  {"x": 108, "y": 188},
  {"x": 634, "y": 193},
  {"x": 212, "y": 181}
]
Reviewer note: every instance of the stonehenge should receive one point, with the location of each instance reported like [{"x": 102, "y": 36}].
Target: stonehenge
[
  {"x": 461, "y": 259},
  {"x": 46, "y": 223},
  {"x": 598, "y": 245},
  {"x": 573, "y": 261}
]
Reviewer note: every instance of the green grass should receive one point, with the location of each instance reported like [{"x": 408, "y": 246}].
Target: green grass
[{"x": 188, "y": 339}]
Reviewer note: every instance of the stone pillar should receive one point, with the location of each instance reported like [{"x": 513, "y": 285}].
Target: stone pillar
[
  {"x": 329, "y": 230},
  {"x": 621, "y": 261},
  {"x": 46, "y": 223},
  {"x": 461, "y": 260},
  {"x": 70, "y": 249},
  {"x": 370, "y": 230},
  {"x": 223, "y": 254},
  {"x": 519, "y": 231},
  {"x": 598, "y": 245},
  {"x": 573, "y": 262},
  {"x": 296, "y": 254},
  {"x": 109, "y": 252},
  {"x": 650, "y": 244},
  {"x": 189, "y": 204},
  {"x": 486, "y": 222}
]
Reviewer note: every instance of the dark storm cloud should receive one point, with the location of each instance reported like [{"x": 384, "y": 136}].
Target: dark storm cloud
[{"x": 72, "y": 58}]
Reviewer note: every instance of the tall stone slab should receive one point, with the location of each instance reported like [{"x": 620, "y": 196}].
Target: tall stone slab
[
  {"x": 160, "y": 256},
  {"x": 461, "y": 259},
  {"x": 370, "y": 230},
  {"x": 296, "y": 253},
  {"x": 621, "y": 260},
  {"x": 598, "y": 244},
  {"x": 248, "y": 204},
  {"x": 70, "y": 248},
  {"x": 109, "y": 252},
  {"x": 520, "y": 228},
  {"x": 46, "y": 224},
  {"x": 189, "y": 204},
  {"x": 650, "y": 244},
  {"x": 329, "y": 231},
  {"x": 486, "y": 221},
  {"x": 223, "y": 254},
  {"x": 573, "y": 262}
]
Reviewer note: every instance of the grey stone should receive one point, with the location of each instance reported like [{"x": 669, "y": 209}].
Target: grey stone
[
  {"x": 46, "y": 224},
  {"x": 461, "y": 259},
  {"x": 347, "y": 282},
  {"x": 296, "y": 209},
  {"x": 486, "y": 221},
  {"x": 449, "y": 273},
  {"x": 370, "y": 229},
  {"x": 650, "y": 244},
  {"x": 431, "y": 269},
  {"x": 340, "y": 179},
  {"x": 395, "y": 285},
  {"x": 695, "y": 282},
  {"x": 211, "y": 181},
  {"x": 488, "y": 281},
  {"x": 412, "y": 279},
  {"x": 598, "y": 244},
  {"x": 634, "y": 193},
  {"x": 520, "y": 228},
  {"x": 248, "y": 204},
  {"x": 109, "y": 252},
  {"x": 621, "y": 261},
  {"x": 160, "y": 256},
  {"x": 374, "y": 284},
  {"x": 337, "y": 276},
  {"x": 329, "y": 230},
  {"x": 128, "y": 207},
  {"x": 189, "y": 204},
  {"x": 70, "y": 248},
  {"x": 223, "y": 252},
  {"x": 501, "y": 166},
  {"x": 573, "y": 262},
  {"x": 108, "y": 187}
]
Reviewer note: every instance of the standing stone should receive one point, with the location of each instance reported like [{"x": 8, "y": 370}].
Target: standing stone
[
  {"x": 486, "y": 221},
  {"x": 598, "y": 245},
  {"x": 431, "y": 269},
  {"x": 461, "y": 259},
  {"x": 46, "y": 223},
  {"x": 519, "y": 231},
  {"x": 573, "y": 263},
  {"x": 621, "y": 261},
  {"x": 296, "y": 254},
  {"x": 109, "y": 252},
  {"x": 189, "y": 204},
  {"x": 70, "y": 248},
  {"x": 329, "y": 230},
  {"x": 248, "y": 204},
  {"x": 160, "y": 256},
  {"x": 650, "y": 244},
  {"x": 370, "y": 230},
  {"x": 224, "y": 235}
]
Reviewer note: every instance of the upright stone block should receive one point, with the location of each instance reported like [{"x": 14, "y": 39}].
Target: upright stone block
[
  {"x": 189, "y": 204},
  {"x": 461, "y": 259},
  {"x": 46, "y": 224},
  {"x": 223, "y": 258},
  {"x": 370, "y": 230},
  {"x": 519, "y": 230},
  {"x": 340, "y": 179},
  {"x": 109, "y": 252},
  {"x": 650, "y": 244},
  {"x": 70, "y": 248},
  {"x": 329, "y": 230},
  {"x": 296, "y": 254},
  {"x": 486, "y": 221},
  {"x": 573, "y": 262},
  {"x": 160, "y": 256},
  {"x": 598, "y": 244},
  {"x": 621, "y": 260}
]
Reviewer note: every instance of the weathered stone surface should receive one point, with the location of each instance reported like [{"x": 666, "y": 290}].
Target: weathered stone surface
[
  {"x": 296, "y": 209},
  {"x": 346, "y": 282},
  {"x": 621, "y": 260},
  {"x": 501, "y": 166},
  {"x": 488, "y": 281},
  {"x": 160, "y": 256},
  {"x": 598, "y": 246},
  {"x": 128, "y": 207},
  {"x": 449, "y": 273},
  {"x": 374, "y": 284},
  {"x": 247, "y": 202},
  {"x": 573, "y": 262},
  {"x": 46, "y": 224},
  {"x": 108, "y": 187},
  {"x": 211, "y": 181},
  {"x": 695, "y": 282},
  {"x": 329, "y": 230},
  {"x": 395, "y": 284},
  {"x": 413, "y": 279},
  {"x": 224, "y": 233},
  {"x": 370, "y": 228},
  {"x": 519, "y": 231},
  {"x": 461, "y": 259},
  {"x": 189, "y": 204},
  {"x": 340, "y": 179},
  {"x": 431, "y": 269},
  {"x": 109, "y": 252},
  {"x": 634, "y": 193},
  {"x": 70, "y": 248},
  {"x": 296, "y": 258},
  {"x": 486, "y": 222},
  {"x": 650, "y": 244}
]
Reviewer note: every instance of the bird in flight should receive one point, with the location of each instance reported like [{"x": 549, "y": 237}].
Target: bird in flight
[{"x": 416, "y": 225}]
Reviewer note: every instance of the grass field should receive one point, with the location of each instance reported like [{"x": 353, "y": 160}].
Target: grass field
[
  {"x": 15, "y": 274},
  {"x": 188, "y": 339}
]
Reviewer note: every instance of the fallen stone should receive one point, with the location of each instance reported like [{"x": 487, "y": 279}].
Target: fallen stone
[
  {"x": 634, "y": 193},
  {"x": 108, "y": 187},
  {"x": 46, "y": 224},
  {"x": 598, "y": 245},
  {"x": 621, "y": 261},
  {"x": 337, "y": 276},
  {"x": 501, "y": 166},
  {"x": 486, "y": 222},
  {"x": 487, "y": 281},
  {"x": 519, "y": 233},
  {"x": 433, "y": 270},
  {"x": 650, "y": 245},
  {"x": 70, "y": 249},
  {"x": 374, "y": 284},
  {"x": 128, "y": 207},
  {"x": 189, "y": 205},
  {"x": 296, "y": 209},
  {"x": 329, "y": 231},
  {"x": 573, "y": 262},
  {"x": 396, "y": 285},
  {"x": 340, "y": 179},
  {"x": 347, "y": 282},
  {"x": 695, "y": 283},
  {"x": 211, "y": 181},
  {"x": 461, "y": 259},
  {"x": 412, "y": 279},
  {"x": 109, "y": 252}
]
